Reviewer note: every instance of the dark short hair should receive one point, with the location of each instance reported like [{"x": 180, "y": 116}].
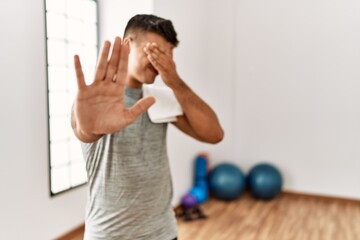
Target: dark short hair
[{"x": 153, "y": 24}]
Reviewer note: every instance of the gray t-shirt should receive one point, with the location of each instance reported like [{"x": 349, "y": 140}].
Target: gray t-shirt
[{"x": 130, "y": 188}]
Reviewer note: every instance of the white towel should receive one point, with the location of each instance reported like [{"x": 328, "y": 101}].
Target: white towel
[{"x": 166, "y": 107}]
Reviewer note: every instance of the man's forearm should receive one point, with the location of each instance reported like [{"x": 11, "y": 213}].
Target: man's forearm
[{"x": 200, "y": 116}]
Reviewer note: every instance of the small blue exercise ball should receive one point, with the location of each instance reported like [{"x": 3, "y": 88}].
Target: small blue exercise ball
[
  {"x": 264, "y": 181},
  {"x": 226, "y": 181}
]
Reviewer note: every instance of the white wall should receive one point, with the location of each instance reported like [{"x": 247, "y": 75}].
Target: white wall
[
  {"x": 27, "y": 210},
  {"x": 283, "y": 77},
  {"x": 297, "y": 82},
  {"x": 115, "y": 14}
]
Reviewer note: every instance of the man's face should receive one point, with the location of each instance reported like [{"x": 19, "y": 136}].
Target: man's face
[{"x": 140, "y": 70}]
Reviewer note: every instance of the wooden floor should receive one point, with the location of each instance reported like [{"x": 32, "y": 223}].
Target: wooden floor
[
  {"x": 293, "y": 217},
  {"x": 288, "y": 217}
]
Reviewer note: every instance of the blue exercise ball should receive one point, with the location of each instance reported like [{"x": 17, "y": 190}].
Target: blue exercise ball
[
  {"x": 226, "y": 181},
  {"x": 264, "y": 181}
]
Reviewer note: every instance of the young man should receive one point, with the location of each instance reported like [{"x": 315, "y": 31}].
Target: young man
[{"x": 130, "y": 188}]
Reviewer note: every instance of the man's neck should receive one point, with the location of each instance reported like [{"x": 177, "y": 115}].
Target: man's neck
[{"x": 133, "y": 83}]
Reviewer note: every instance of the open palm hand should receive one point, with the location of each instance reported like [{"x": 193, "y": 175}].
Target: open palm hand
[{"x": 99, "y": 107}]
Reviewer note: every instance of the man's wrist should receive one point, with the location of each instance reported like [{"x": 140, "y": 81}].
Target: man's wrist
[
  {"x": 87, "y": 137},
  {"x": 177, "y": 84}
]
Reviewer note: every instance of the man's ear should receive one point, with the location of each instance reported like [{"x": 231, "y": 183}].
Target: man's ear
[{"x": 128, "y": 41}]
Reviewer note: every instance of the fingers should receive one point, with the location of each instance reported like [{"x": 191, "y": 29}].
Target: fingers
[
  {"x": 157, "y": 56},
  {"x": 102, "y": 63},
  {"x": 122, "y": 68},
  {"x": 156, "y": 63},
  {"x": 79, "y": 73},
  {"x": 156, "y": 48},
  {"x": 139, "y": 108},
  {"x": 160, "y": 62},
  {"x": 114, "y": 60}
]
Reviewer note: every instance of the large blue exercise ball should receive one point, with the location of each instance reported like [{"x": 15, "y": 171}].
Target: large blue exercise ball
[
  {"x": 226, "y": 181},
  {"x": 264, "y": 181}
]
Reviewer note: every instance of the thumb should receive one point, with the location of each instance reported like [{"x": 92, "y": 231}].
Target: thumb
[{"x": 139, "y": 108}]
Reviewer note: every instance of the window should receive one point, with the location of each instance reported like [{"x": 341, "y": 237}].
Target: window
[{"x": 71, "y": 28}]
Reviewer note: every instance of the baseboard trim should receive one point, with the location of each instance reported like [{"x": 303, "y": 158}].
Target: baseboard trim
[
  {"x": 321, "y": 197},
  {"x": 76, "y": 232}
]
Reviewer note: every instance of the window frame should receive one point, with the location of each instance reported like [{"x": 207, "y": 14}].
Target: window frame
[{"x": 52, "y": 194}]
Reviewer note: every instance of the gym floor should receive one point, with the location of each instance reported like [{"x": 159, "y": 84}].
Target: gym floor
[{"x": 289, "y": 216}]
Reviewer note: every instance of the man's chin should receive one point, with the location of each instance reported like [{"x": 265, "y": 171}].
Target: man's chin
[{"x": 149, "y": 81}]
